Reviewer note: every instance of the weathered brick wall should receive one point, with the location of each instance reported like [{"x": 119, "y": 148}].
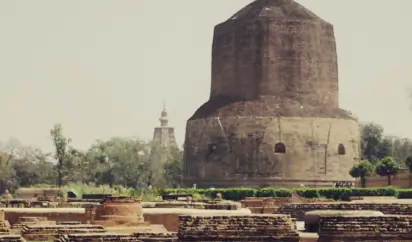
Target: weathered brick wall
[
  {"x": 365, "y": 228},
  {"x": 312, "y": 218},
  {"x": 245, "y": 151},
  {"x": 237, "y": 228},
  {"x": 13, "y": 216},
  {"x": 169, "y": 220},
  {"x": 137, "y": 237},
  {"x": 298, "y": 210},
  {"x": 269, "y": 205},
  {"x": 170, "y": 217},
  {"x": 11, "y": 238},
  {"x": 44, "y": 232}
]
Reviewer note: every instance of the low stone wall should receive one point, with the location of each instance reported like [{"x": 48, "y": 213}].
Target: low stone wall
[
  {"x": 298, "y": 210},
  {"x": 238, "y": 228},
  {"x": 48, "y": 232},
  {"x": 312, "y": 218},
  {"x": 169, "y": 237},
  {"x": 11, "y": 238},
  {"x": 23, "y": 221},
  {"x": 169, "y": 217},
  {"x": 308, "y": 237},
  {"x": 279, "y": 201},
  {"x": 169, "y": 220},
  {"x": 52, "y": 214},
  {"x": 137, "y": 237},
  {"x": 259, "y": 205},
  {"x": 365, "y": 228},
  {"x": 222, "y": 205}
]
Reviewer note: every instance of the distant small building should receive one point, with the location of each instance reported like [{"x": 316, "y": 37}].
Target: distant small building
[{"x": 164, "y": 135}]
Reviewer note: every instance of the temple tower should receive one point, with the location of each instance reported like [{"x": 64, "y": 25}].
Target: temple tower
[
  {"x": 164, "y": 135},
  {"x": 273, "y": 116}
]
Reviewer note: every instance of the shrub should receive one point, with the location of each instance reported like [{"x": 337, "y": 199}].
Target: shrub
[
  {"x": 308, "y": 193},
  {"x": 238, "y": 194},
  {"x": 404, "y": 193}
]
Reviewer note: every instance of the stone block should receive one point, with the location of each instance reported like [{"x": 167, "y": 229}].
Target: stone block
[
  {"x": 365, "y": 228},
  {"x": 298, "y": 210},
  {"x": 312, "y": 218},
  {"x": 47, "y": 232},
  {"x": 237, "y": 228},
  {"x": 11, "y": 238},
  {"x": 108, "y": 237}
]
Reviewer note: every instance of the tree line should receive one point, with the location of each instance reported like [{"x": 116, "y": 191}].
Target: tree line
[
  {"x": 381, "y": 154},
  {"x": 132, "y": 162},
  {"x": 129, "y": 162}
]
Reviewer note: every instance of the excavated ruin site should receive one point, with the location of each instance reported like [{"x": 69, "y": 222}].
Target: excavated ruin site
[
  {"x": 273, "y": 119},
  {"x": 103, "y": 217}
]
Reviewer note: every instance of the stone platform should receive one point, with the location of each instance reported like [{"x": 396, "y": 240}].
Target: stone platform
[
  {"x": 257, "y": 227},
  {"x": 169, "y": 217},
  {"x": 11, "y": 238},
  {"x": 137, "y": 237},
  {"x": 353, "y": 228},
  {"x": 312, "y": 218},
  {"x": 47, "y": 232},
  {"x": 298, "y": 210},
  {"x": 52, "y": 214}
]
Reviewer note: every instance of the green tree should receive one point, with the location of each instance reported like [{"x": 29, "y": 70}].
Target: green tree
[
  {"x": 77, "y": 164},
  {"x": 385, "y": 148},
  {"x": 122, "y": 161},
  {"x": 387, "y": 167},
  {"x": 408, "y": 163},
  {"x": 60, "y": 143},
  {"x": 32, "y": 166},
  {"x": 8, "y": 179},
  {"x": 371, "y": 136},
  {"x": 403, "y": 149},
  {"x": 7, "y": 175},
  {"x": 173, "y": 167},
  {"x": 362, "y": 170}
]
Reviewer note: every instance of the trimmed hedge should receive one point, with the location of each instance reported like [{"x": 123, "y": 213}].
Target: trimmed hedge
[
  {"x": 404, "y": 193},
  {"x": 237, "y": 194}
]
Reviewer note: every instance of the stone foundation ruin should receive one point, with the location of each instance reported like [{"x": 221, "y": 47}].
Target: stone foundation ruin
[
  {"x": 312, "y": 218},
  {"x": 298, "y": 210},
  {"x": 355, "y": 228},
  {"x": 237, "y": 228},
  {"x": 121, "y": 211},
  {"x": 134, "y": 223}
]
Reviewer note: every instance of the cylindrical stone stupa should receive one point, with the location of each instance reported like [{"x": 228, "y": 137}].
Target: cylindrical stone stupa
[
  {"x": 273, "y": 116},
  {"x": 124, "y": 211}
]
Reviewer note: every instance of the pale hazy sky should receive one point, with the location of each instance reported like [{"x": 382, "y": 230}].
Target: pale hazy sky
[{"x": 103, "y": 67}]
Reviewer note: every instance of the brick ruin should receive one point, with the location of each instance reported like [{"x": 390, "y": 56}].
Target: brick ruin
[
  {"x": 124, "y": 211},
  {"x": 298, "y": 210},
  {"x": 265, "y": 227},
  {"x": 273, "y": 117},
  {"x": 140, "y": 237},
  {"x": 217, "y": 225},
  {"x": 312, "y": 218},
  {"x": 356, "y": 228},
  {"x": 44, "y": 232}
]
